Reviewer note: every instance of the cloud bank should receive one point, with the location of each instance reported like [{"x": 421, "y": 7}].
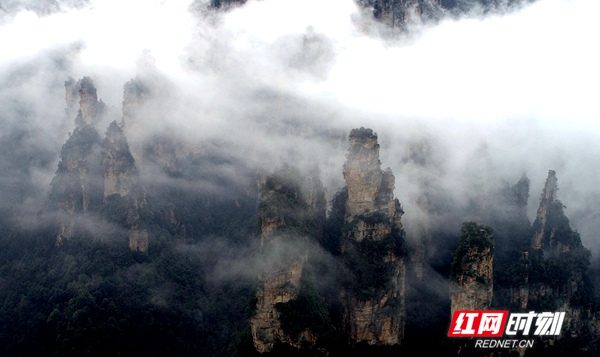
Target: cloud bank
[{"x": 273, "y": 81}]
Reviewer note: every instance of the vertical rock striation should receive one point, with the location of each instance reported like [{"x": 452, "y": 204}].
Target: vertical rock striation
[
  {"x": 472, "y": 269},
  {"x": 120, "y": 174},
  {"x": 372, "y": 247},
  {"x": 77, "y": 184},
  {"x": 121, "y": 187},
  {"x": 292, "y": 213},
  {"x": 559, "y": 264},
  {"x": 95, "y": 176},
  {"x": 543, "y": 237},
  {"x": 90, "y": 108}
]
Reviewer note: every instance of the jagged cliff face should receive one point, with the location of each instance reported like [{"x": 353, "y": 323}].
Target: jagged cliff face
[
  {"x": 95, "y": 175},
  {"x": 370, "y": 189},
  {"x": 89, "y": 105},
  {"x": 551, "y": 272},
  {"x": 545, "y": 235},
  {"x": 472, "y": 269},
  {"x": 279, "y": 284},
  {"x": 120, "y": 175},
  {"x": 362, "y": 172},
  {"x": 557, "y": 252},
  {"x": 77, "y": 181},
  {"x": 378, "y": 320},
  {"x": 290, "y": 206},
  {"x": 374, "y": 313},
  {"x": 370, "y": 244},
  {"x": 548, "y": 200},
  {"x": 78, "y": 169},
  {"x": 121, "y": 179},
  {"x": 82, "y": 95}
]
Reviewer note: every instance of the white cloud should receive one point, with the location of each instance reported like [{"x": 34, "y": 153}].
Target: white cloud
[{"x": 524, "y": 83}]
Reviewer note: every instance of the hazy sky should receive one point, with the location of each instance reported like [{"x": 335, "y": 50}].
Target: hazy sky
[{"x": 495, "y": 97}]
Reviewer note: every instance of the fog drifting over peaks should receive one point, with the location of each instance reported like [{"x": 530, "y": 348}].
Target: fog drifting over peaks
[
  {"x": 536, "y": 62},
  {"x": 495, "y": 96}
]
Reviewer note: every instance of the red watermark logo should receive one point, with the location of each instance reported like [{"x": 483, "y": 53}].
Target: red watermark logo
[
  {"x": 473, "y": 323},
  {"x": 497, "y": 323}
]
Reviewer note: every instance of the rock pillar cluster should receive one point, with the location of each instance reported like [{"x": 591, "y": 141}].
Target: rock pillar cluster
[{"x": 93, "y": 173}]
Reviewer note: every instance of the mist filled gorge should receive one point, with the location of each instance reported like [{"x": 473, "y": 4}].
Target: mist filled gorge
[{"x": 298, "y": 178}]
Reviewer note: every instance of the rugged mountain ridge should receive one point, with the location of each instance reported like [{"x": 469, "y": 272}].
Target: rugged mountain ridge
[
  {"x": 558, "y": 274},
  {"x": 329, "y": 283},
  {"x": 401, "y": 13},
  {"x": 369, "y": 246},
  {"x": 93, "y": 175},
  {"x": 551, "y": 273}
]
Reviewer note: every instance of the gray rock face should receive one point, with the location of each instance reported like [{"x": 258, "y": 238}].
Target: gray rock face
[
  {"x": 373, "y": 215},
  {"x": 290, "y": 205},
  {"x": 474, "y": 274}
]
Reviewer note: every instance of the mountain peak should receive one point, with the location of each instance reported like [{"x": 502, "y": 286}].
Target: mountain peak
[
  {"x": 90, "y": 108},
  {"x": 550, "y": 188}
]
